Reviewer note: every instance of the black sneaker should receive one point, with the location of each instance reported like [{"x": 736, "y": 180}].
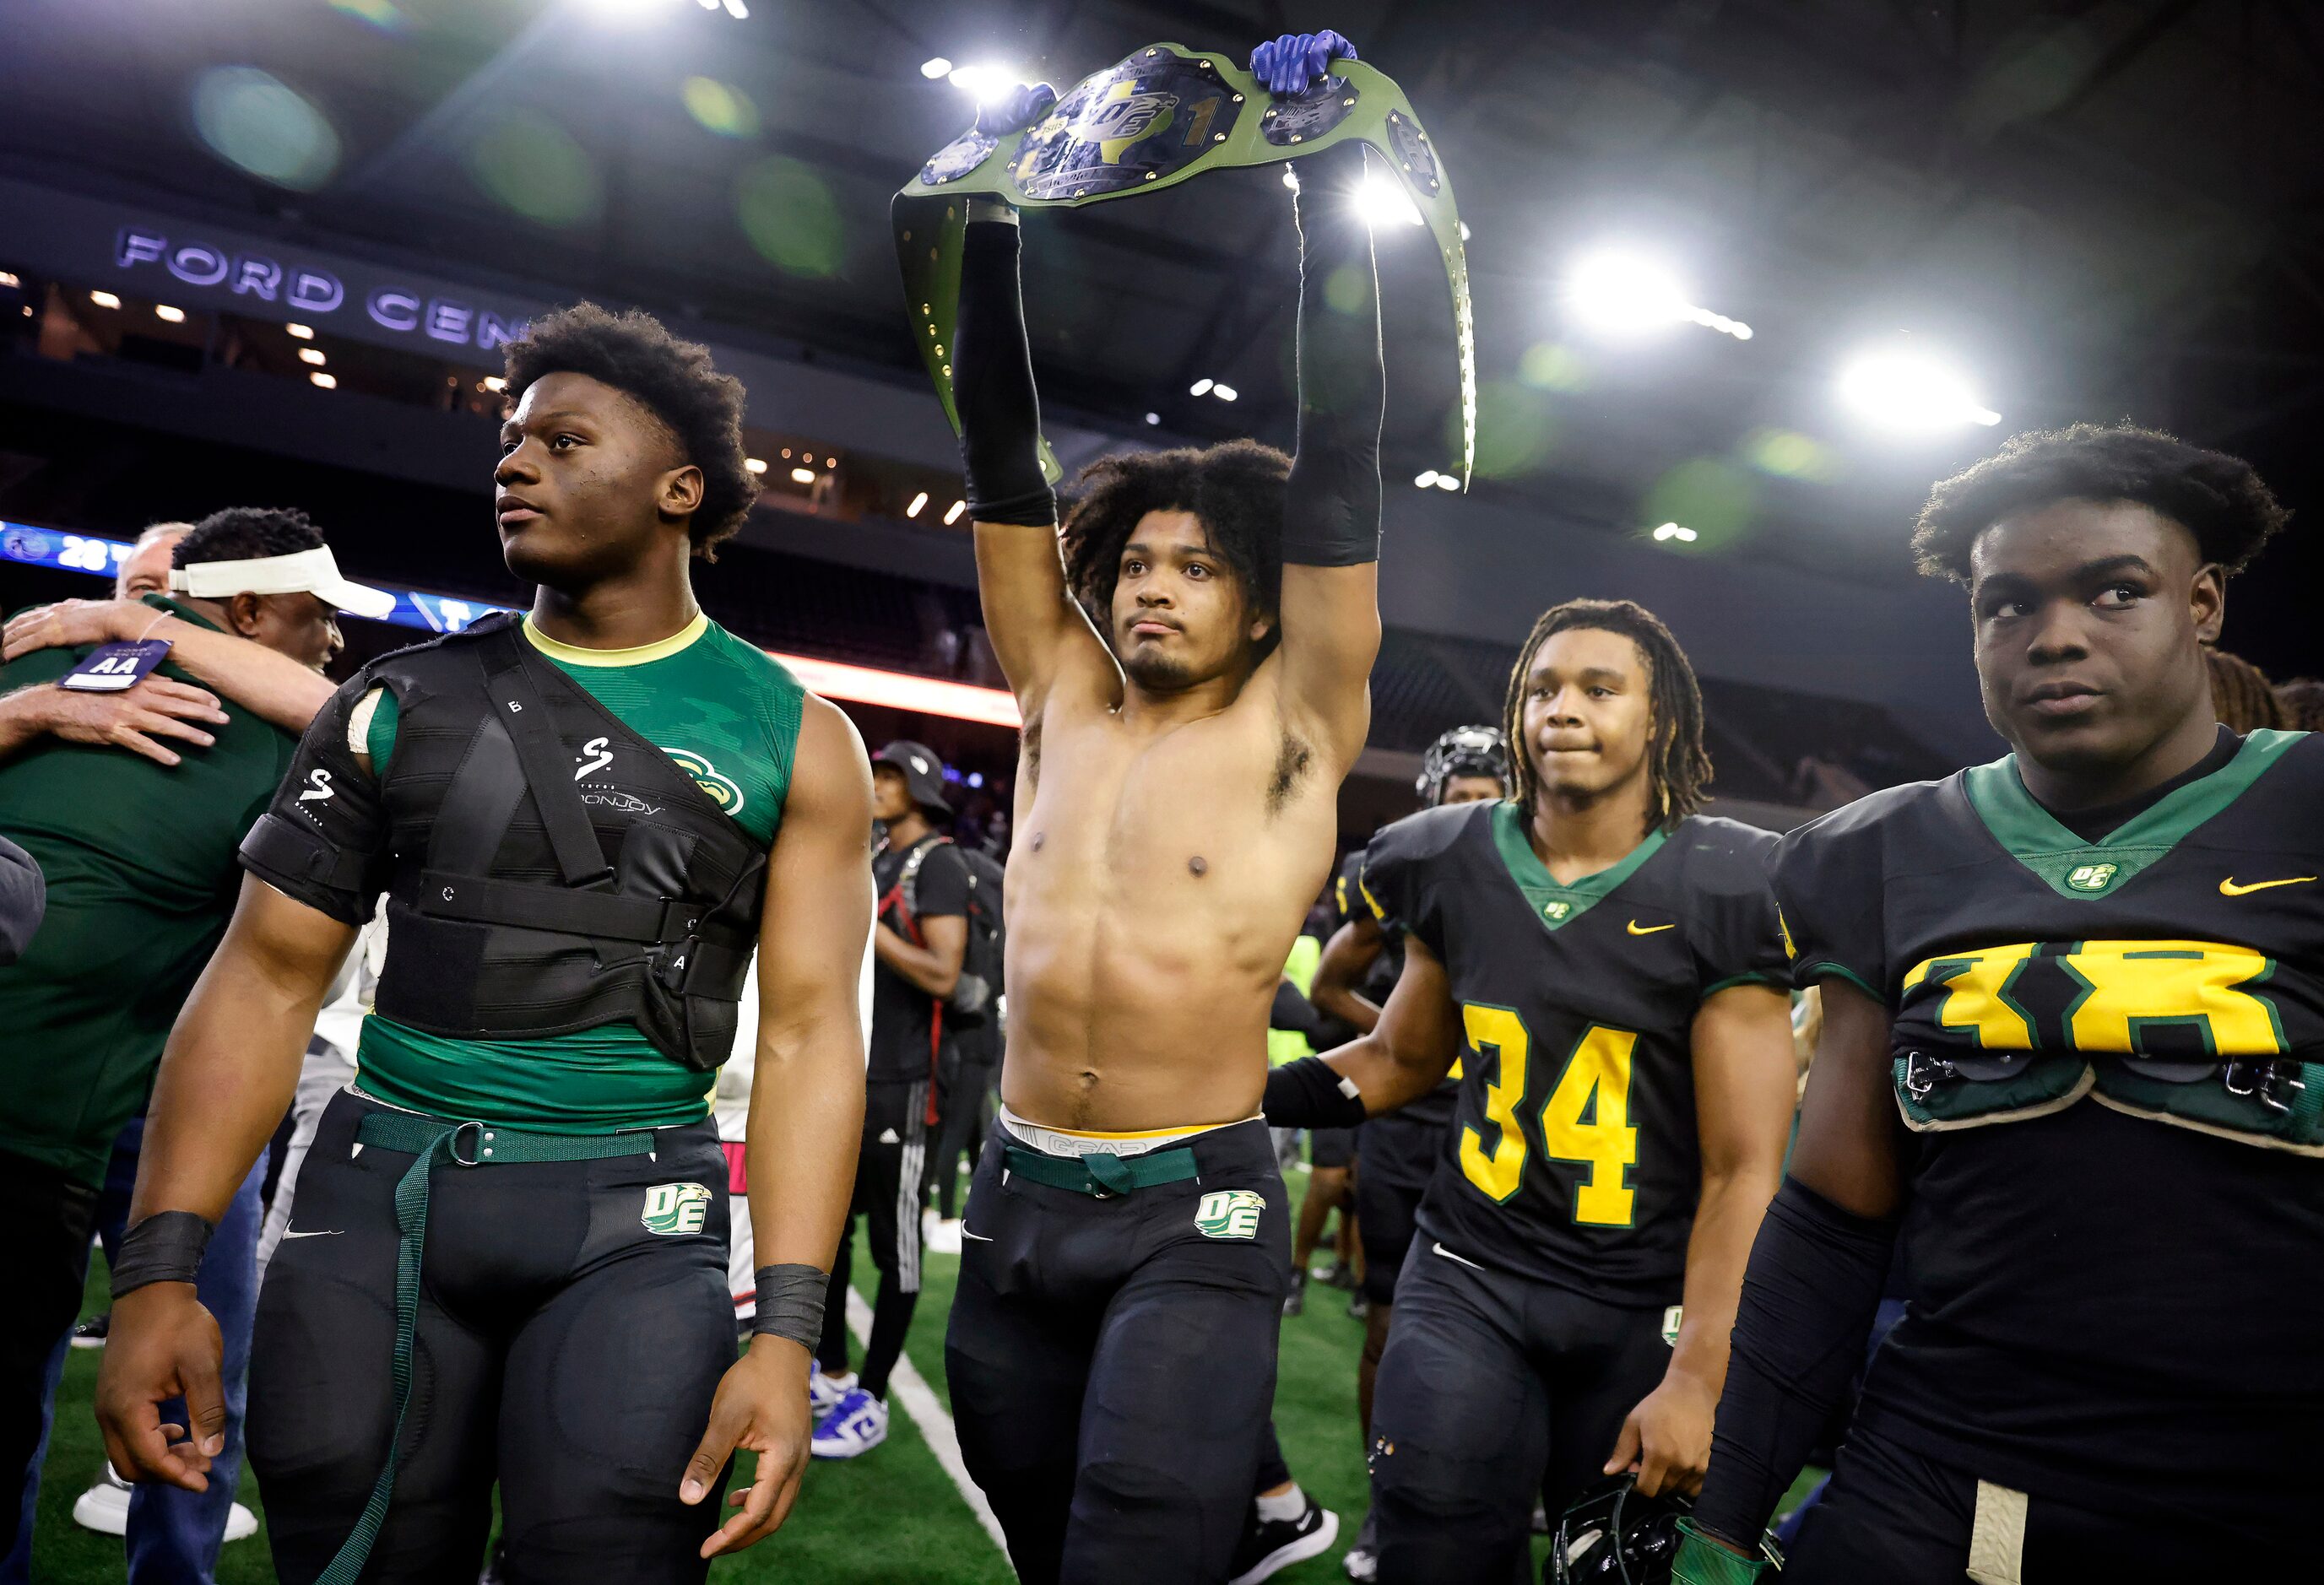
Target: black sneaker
[
  {"x": 90, "y": 1333},
  {"x": 1269, "y": 1546},
  {"x": 1341, "y": 1275},
  {"x": 1295, "y": 1300}
]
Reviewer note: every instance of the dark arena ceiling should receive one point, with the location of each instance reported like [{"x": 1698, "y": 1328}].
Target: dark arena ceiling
[{"x": 2098, "y": 209}]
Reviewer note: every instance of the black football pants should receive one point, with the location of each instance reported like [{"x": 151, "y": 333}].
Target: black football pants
[
  {"x": 1112, "y": 1363},
  {"x": 566, "y": 1348},
  {"x": 1494, "y": 1389}
]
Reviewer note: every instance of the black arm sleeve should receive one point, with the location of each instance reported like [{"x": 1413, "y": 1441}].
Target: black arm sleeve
[
  {"x": 1331, "y": 514},
  {"x": 1310, "y": 1094},
  {"x": 992, "y": 384},
  {"x": 1809, "y": 1295},
  {"x": 23, "y": 899}
]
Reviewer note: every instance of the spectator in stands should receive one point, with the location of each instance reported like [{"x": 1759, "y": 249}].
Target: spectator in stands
[
  {"x": 918, "y": 946},
  {"x": 2302, "y": 700},
  {"x": 139, "y": 851},
  {"x": 2241, "y": 696}
]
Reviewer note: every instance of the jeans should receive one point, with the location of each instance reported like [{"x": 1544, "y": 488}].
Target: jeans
[{"x": 174, "y": 1536}]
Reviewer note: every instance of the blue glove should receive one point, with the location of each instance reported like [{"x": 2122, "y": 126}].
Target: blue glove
[
  {"x": 1020, "y": 107},
  {"x": 1293, "y": 62}
]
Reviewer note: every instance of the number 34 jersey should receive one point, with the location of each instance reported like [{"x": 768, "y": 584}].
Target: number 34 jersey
[
  {"x": 2107, "y": 1056},
  {"x": 1575, "y": 1151}
]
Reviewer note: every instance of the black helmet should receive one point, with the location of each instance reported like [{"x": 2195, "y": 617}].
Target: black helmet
[
  {"x": 1615, "y": 1535},
  {"x": 1465, "y": 750}
]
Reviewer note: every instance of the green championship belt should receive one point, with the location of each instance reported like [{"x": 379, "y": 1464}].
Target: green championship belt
[{"x": 1162, "y": 115}]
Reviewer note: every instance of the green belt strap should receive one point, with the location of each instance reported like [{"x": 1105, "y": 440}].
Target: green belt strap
[
  {"x": 431, "y": 1140},
  {"x": 1161, "y": 115},
  {"x": 1101, "y": 1175},
  {"x": 1703, "y": 1562}
]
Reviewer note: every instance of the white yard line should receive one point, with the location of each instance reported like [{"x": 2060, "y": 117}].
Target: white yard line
[{"x": 910, "y": 1390}]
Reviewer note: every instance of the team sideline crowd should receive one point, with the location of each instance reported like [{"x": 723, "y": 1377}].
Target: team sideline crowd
[{"x": 473, "y": 1071}]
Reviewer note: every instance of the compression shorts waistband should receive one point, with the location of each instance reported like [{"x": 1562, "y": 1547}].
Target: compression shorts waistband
[{"x": 1075, "y": 1142}]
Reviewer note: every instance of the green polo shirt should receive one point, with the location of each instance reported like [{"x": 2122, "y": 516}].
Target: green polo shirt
[{"x": 139, "y": 862}]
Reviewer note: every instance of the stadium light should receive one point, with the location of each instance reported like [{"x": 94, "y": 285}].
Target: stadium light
[
  {"x": 1381, "y": 200},
  {"x": 300, "y": 332},
  {"x": 1911, "y": 391},
  {"x": 917, "y": 501},
  {"x": 1223, "y": 392},
  {"x": 8, "y": 278},
  {"x": 936, "y": 68},
  {"x": 105, "y": 299},
  {"x": 756, "y": 465},
  {"x": 327, "y": 381},
  {"x": 1201, "y": 387},
  {"x": 982, "y": 82},
  {"x": 802, "y": 475},
  {"x": 1679, "y": 531},
  {"x": 1425, "y": 478},
  {"x": 1625, "y": 293},
  {"x": 1153, "y": 417},
  {"x": 168, "y": 315},
  {"x": 312, "y": 354},
  {"x": 494, "y": 383},
  {"x": 952, "y": 512},
  {"x": 1447, "y": 482}
]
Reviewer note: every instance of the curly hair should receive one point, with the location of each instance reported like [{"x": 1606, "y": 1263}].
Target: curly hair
[
  {"x": 2301, "y": 703},
  {"x": 1678, "y": 768},
  {"x": 245, "y": 533},
  {"x": 2241, "y": 696},
  {"x": 2217, "y": 498},
  {"x": 1236, "y": 489},
  {"x": 635, "y": 354}
]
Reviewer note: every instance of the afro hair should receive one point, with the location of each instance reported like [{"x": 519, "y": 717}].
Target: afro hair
[
  {"x": 634, "y": 353},
  {"x": 1236, "y": 489},
  {"x": 2216, "y": 498},
  {"x": 246, "y": 534}
]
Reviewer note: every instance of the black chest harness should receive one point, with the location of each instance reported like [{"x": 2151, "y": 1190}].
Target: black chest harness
[{"x": 538, "y": 890}]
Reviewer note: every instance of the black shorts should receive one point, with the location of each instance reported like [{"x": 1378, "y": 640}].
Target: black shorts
[
  {"x": 1330, "y": 1148},
  {"x": 564, "y": 1349},
  {"x": 1399, "y": 1150},
  {"x": 1494, "y": 1389},
  {"x": 1112, "y": 1360},
  {"x": 891, "y": 1172},
  {"x": 1894, "y": 1515}
]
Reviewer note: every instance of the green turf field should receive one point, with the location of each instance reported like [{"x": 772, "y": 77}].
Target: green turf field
[{"x": 890, "y": 1517}]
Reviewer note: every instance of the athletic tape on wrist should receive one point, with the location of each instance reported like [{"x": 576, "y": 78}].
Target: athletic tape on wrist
[
  {"x": 790, "y": 1303},
  {"x": 166, "y": 1246},
  {"x": 1160, "y": 116}
]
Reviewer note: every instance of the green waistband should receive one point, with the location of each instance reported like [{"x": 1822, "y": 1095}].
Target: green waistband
[
  {"x": 1102, "y": 1175},
  {"x": 480, "y": 1144}
]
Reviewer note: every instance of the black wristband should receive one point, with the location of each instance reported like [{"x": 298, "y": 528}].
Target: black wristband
[
  {"x": 166, "y": 1246},
  {"x": 790, "y": 1303},
  {"x": 1310, "y": 1094}
]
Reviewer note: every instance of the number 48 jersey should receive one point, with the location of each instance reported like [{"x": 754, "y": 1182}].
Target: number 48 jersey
[{"x": 1575, "y": 1152}]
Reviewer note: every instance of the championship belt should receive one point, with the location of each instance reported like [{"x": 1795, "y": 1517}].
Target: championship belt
[{"x": 1162, "y": 115}]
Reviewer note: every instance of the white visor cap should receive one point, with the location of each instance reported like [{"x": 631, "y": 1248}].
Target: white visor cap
[{"x": 302, "y": 572}]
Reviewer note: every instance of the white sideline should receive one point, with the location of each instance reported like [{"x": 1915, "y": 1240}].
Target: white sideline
[{"x": 919, "y": 1402}]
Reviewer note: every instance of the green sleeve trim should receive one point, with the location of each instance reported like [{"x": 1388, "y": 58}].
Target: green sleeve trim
[
  {"x": 379, "y": 735},
  {"x": 1753, "y": 977},
  {"x": 1818, "y": 971}
]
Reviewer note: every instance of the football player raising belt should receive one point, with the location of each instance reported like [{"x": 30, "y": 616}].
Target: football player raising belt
[
  {"x": 1112, "y": 1342},
  {"x": 2071, "y": 1009},
  {"x": 1607, "y": 962},
  {"x": 586, "y": 821}
]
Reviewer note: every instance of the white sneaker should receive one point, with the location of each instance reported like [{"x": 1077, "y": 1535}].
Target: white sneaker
[
  {"x": 104, "y": 1508},
  {"x": 856, "y": 1425},
  {"x": 943, "y": 1238},
  {"x": 824, "y": 1392}
]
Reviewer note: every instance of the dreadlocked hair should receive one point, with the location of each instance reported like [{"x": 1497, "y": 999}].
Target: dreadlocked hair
[
  {"x": 1678, "y": 766},
  {"x": 2241, "y": 696}
]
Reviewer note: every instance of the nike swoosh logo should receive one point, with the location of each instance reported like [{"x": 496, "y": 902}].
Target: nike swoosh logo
[
  {"x": 1448, "y": 1254},
  {"x": 2228, "y": 888},
  {"x": 1638, "y": 929},
  {"x": 317, "y": 1233},
  {"x": 979, "y": 1238}
]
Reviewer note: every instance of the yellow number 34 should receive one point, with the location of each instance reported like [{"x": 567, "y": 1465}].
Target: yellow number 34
[{"x": 1586, "y": 1118}]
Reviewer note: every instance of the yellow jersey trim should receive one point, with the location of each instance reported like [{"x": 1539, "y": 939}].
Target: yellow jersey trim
[{"x": 636, "y": 655}]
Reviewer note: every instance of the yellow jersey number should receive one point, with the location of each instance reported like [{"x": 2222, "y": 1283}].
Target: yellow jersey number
[
  {"x": 1586, "y": 1118},
  {"x": 2124, "y": 988}
]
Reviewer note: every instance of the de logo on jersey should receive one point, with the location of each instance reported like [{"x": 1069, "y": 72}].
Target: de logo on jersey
[
  {"x": 1229, "y": 1213},
  {"x": 673, "y": 1210}
]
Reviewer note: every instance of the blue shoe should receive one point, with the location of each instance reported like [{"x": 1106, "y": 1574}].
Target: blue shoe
[
  {"x": 856, "y": 1425},
  {"x": 824, "y": 1392}
]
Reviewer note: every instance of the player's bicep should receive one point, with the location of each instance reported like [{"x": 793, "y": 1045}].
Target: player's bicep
[
  {"x": 1420, "y": 1024},
  {"x": 1331, "y": 626},
  {"x": 1037, "y": 628},
  {"x": 817, "y": 916},
  {"x": 290, "y": 944},
  {"x": 1847, "y": 1146},
  {"x": 1741, "y": 1049}
]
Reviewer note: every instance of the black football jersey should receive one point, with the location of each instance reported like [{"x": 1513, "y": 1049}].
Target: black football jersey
[
  {"x": 2108, "y": 1308},
  {"x": 1575, "y": 1155}
]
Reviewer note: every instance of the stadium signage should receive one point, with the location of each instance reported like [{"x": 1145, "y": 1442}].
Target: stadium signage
[{"x": 308, "y": 289}]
